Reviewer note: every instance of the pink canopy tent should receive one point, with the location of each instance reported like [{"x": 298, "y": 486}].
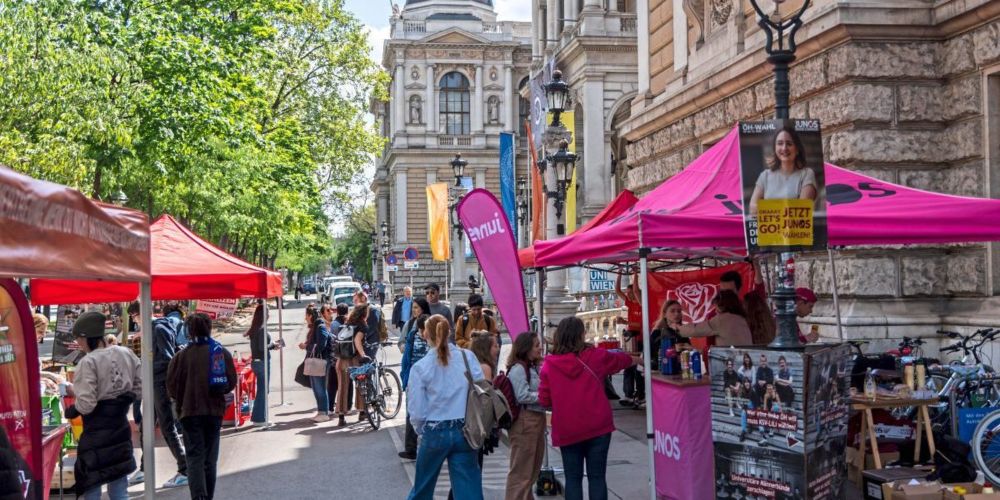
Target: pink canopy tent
[{"x": 698, "y": 213}]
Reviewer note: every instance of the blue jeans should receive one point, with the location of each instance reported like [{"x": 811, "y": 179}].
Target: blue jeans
[
  {"x": 320, "y": 392},
  {"x": 440, "y": 441},
  {"x": 260, "y": 402},
  {"x": 594, "y": 452},
  {"x": 117, "y": 490}
]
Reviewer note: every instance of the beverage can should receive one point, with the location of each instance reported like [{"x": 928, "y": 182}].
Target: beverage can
[
  {"x": 908, "y": 376},
  {"x": 686, "y": 364},
  {"x": 921, "y": 376},
  {"x": 696, "y": 363}
]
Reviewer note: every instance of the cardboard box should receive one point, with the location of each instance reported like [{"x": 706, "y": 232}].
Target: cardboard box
[
  {"x": 898, "y": 490},
  {"x": 873, "y": 480},
  {"x": 970, "y": 489},
  {"x": 982, "y": 496}
]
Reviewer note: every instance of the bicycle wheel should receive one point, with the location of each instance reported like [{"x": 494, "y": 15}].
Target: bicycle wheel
[
  {"x": 986, "y": 447},
  {"x": 392, "y": 393},
  {"x": 372, "y": 410}
]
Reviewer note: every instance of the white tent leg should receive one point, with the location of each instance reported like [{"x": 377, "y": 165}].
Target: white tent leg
[
  {"x": 281, "y": 352},
  {"x": 149, "y": 415},
  {"x": 647, "y": 369},
  {"x": 267, "y": 366},
  {"x": 836, "y": 297}
]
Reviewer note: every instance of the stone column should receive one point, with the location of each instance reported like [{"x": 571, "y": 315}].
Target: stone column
[
  {"x": 595, "y": 175},
  {"x": 509, "y": 99},
  {"x": 401, "y": 206},
  {"x": 478, "y": 101},
  {"x": 552, "y": 20},
  {"x": 430, "y": 109},
  {"x": 642, "y": 44},
  {"x": 400, "y": 99},
  {"x": 569, "y": 8},
  {"x": 612, "y": 5},
  {"x": 536, "y": 28},
  {"x": 680, "y": 49},
  {"x": 591, "y": 5}
]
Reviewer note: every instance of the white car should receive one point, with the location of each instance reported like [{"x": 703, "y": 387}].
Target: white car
[{"x": 343, "y": 292}]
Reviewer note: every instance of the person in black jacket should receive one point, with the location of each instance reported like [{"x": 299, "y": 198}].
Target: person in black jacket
[
  {"x": 14, "y": 472},
  {"x": 167, "y": 341}
]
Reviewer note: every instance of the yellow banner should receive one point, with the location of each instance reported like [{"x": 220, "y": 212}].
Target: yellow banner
[
  {"x": 784, "y": 222},
  {"x": 568, "y": 119},
  {"x": 437, "y": 221}
]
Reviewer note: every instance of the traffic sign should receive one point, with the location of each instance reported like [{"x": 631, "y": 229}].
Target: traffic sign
[
  {"x": 392, "y": 268},
  {"x": 391, "y": 259},
  {"x": 410, "y": 253},
  {"x": 411, "y": 264}
]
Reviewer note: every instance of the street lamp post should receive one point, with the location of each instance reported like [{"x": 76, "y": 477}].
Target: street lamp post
[
  {"x": 374, "y": 249},
  {"x": 522, "y": 209},
  {"x": 455, "y": 194},
  {"x": 780, "y": 49},
  {"x": 385, "y": 251}
]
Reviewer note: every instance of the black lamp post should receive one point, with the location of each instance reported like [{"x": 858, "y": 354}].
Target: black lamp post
[
  {"x": 458, "y": 166},
  {"x": 557, "y": 94},
  {"x": 563, "y": 162},
  {"x": 780, "y": 49},
  {"x": 522, "y": 200}
]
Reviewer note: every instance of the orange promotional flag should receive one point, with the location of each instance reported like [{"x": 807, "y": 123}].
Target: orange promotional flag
[
  {"x": 537, "y": 190},
  {"x": 437, "y": 220}
]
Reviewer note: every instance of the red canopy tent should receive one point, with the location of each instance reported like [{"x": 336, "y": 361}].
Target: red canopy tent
[
  {"x": 51, "y": 230},
  {"x": 184, "y": 267}
]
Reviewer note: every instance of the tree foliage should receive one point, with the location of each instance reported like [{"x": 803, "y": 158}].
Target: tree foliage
[
  {"x": 354, "y": 246},
  {"x": 243, "y": 118}
]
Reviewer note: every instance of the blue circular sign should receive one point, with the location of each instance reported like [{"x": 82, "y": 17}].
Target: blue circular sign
[
  {"x": 410, "y": 253},
  {"x": 391, "y": 259}
]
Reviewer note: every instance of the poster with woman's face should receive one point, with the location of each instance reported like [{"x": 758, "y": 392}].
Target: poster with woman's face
[{"x": 783, "y": 180}]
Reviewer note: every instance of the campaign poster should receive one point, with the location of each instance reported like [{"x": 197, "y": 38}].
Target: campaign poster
[
  {"x": 20, "y": 398},
  {"x": 217, "y": 309},
  {"x": 783, "y": 181},
  {"x": 758, "y": 472}
]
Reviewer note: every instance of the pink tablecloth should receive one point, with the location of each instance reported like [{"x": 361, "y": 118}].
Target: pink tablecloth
[{"x": 684, "y": 459}]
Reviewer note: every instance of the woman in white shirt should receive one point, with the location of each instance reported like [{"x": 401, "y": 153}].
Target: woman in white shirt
[
  {"x": 729, "y": 327},
  {"x": 788, "y": 176},
  {"x": 436, "y": 397}
]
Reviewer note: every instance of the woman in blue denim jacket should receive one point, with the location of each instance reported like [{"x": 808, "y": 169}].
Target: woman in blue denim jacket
[
  {"x": 318, "y": 344},
  {"x": 436, "y": 406}
]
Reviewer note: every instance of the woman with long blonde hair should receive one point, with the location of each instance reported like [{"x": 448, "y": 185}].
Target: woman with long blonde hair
[{"x": 436, "y": 399}]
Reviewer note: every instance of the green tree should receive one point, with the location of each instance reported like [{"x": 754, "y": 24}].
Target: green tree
[{"x": 355, "y": 244}]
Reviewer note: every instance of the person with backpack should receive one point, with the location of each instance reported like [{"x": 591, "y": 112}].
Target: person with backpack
[
  {"x": 349, "y": 350},
  {"x": 527, "y": 433},
  {"x": 198, "y": 379},
  {"x": 376, "y": 330},
  {"x": 437, "y": 396},
  {"x": 571, "y": 382},
  {"x": 415, "y": 349},
  {"x": 319, "y": 344},
  {"x": 107, "y": 382},
  {"x": 332, "y": 380},
  {"x": 474, "y": 320},
  {"x": 169, "y": 337}
]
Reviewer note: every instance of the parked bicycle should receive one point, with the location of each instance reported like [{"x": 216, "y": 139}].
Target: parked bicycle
[{"x": 381, "y": 390}]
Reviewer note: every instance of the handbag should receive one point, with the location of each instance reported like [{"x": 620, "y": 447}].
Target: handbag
[
  {"x": 479, "y": 414},
  {"x": 300, "y": 376},
  {"x": 314, "y": 366}
]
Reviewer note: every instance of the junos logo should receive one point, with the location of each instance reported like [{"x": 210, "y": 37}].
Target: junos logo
[
  {"x": 667, "y": 445},
  {"x": 487, "y": 229}
]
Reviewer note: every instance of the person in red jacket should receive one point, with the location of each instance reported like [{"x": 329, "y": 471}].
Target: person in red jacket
[{"x": 571, "y": 382}]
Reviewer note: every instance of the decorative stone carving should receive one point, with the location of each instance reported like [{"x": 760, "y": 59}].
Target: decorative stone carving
[
  {"x": 721, "y": 10},
  {"x": 416, "y": 110},
  {"x": 493, "y": 109},
  {"x": 695, "y": 10},
  {"x": 414, "y": 74},
  {"x": 493, "y": 73}
]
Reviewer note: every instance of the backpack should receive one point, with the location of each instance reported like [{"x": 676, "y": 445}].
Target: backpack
[
  {"x": 485, "y": 409},
  {"x": 344, "y": 343},
  {"x": 502, "y": 383},
  {"x": 383, "y": 331}
]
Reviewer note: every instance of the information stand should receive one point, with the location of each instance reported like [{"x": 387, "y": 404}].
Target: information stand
[{"x": 779, "y": 425}]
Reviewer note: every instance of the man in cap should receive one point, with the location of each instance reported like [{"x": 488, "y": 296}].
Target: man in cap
[
  {"x": 169, "y": 336},
  {"x": 805, "y": 299}
]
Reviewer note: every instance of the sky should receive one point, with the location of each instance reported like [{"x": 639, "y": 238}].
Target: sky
[{"x": 375, "y": 15}]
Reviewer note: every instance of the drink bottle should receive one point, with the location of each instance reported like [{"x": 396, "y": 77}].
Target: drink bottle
[
  {"x": 696, "y": 363},
  {"x": 870, "y": 387}
]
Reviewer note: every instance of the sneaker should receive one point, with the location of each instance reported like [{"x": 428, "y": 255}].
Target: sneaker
[
  {"x": 137, "y": 478},
  {"x": 408, "y": 455},
  {"x": 178, "y": 480},
  {"x": 321, "y": 417}
]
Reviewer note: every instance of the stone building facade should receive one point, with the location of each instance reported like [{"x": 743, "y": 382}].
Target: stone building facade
[
  {"x": 455, "y": 73},
  {"x": 908, "y": 91}
]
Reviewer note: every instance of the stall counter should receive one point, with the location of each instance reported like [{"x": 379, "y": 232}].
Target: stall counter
[{"x": 684, "y": 458}]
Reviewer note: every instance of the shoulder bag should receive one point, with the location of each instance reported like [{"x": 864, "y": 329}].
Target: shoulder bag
[{"x": 315, "y": 366}]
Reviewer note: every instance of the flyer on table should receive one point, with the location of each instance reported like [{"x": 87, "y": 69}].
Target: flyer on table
[{"x": 783, "y": 179}]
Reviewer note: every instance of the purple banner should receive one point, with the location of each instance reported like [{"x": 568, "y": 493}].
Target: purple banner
[{"x": 493, "y": 243}]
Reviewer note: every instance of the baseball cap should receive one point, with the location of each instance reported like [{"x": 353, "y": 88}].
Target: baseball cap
[
  {"x": 806, "y": 295},
  {"x": 89, "y": 324},
  {"x": 433, "y": 286}
]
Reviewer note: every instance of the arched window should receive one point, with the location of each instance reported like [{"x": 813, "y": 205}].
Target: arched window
[{"x": 455, "y": 107}]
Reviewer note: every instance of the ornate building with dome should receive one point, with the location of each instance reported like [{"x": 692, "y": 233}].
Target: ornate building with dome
[{"x": 456, "y": 71}]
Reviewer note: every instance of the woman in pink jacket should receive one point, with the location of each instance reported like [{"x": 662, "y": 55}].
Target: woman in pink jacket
[{"x": 572, "y": 384}]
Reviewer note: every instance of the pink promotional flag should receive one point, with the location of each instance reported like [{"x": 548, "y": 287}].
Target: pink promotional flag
[{"x": 493, "y": 242}]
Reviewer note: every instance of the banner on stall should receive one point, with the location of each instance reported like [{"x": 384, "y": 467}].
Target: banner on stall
[
  {"x": 507, "y": 179},
  {"x": 693, "y": 289},
  {"x": 682, "y": 445},
  {"x": 784, "y": 185},
  {"x": 437, "y": 221},
  {"x": 217, "y": 308},
  {"x": 493, "y": 243},
  {"x": 20, "y": 396}
]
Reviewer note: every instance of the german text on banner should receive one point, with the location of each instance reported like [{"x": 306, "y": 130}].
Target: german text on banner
[
  {"x": 437, "y": 220},
  {"x": 495, "y": 249},
  {"x": 507, "y": 178}
]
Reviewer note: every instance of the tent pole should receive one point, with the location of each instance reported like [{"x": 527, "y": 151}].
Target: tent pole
[
  {"x": 281, "y": 352},
  {"x": 836, "y": 295},
  {"x": 540, "y": 313},
  {"x": 647, "y": 366},
  {"x": 148, "y": 431},
  {"x": 267, "y": 368}
]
